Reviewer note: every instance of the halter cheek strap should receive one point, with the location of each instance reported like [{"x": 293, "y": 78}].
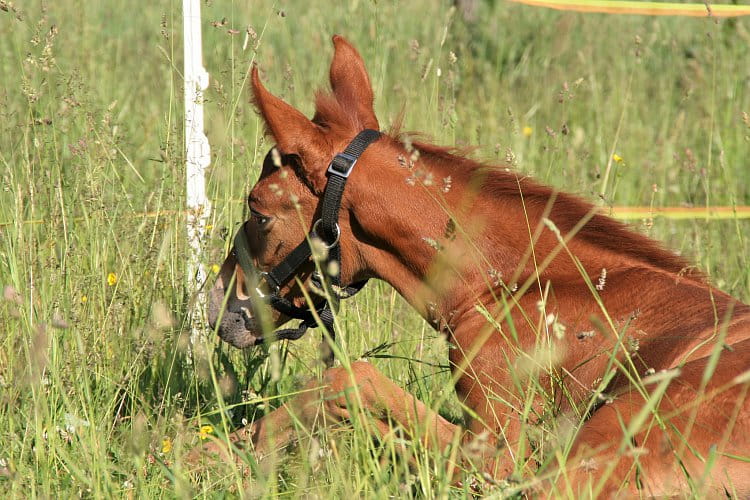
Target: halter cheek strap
[{"x": 325, "y": 228}]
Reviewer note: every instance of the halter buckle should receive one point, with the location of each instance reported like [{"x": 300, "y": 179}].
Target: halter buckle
[{"x": 342, "y": 165}]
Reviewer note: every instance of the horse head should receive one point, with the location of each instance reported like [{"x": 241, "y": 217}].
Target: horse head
[{"x": 269, "y": 263}]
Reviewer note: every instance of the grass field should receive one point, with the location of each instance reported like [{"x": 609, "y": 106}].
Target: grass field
[{"x": 96, "y": 396}]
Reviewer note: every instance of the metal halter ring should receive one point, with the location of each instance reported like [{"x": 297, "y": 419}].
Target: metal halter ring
[{"x": 335, "y": 240}]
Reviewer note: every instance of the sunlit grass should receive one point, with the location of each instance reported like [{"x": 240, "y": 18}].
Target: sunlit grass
[{"x": 94, "y": 379}]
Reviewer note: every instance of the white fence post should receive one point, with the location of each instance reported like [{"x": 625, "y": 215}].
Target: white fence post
[{"x": 198, "y": 155}]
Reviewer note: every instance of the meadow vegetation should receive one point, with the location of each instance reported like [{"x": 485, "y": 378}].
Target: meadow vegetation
[{"x": 97, "y": 394}]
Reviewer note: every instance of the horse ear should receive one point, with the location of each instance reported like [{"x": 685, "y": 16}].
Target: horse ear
[
  {"x": 351, "y": 83},
  {"x": 293, "y": 132}
]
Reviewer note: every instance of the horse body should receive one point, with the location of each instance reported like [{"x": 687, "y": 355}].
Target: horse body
[{"x": 526, "y": 283}]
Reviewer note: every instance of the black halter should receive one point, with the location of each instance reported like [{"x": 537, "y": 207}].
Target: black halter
[{"x": 326, "y": 229}]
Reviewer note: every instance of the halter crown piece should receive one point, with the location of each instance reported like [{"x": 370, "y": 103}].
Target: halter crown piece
[{"x": 326, "y": 229}]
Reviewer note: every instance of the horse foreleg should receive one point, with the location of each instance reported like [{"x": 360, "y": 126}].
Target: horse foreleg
[
  {"x": 385, "y": 402},
  {"x": 262, "y": 437},
  {"x": 341, "y": 392}
]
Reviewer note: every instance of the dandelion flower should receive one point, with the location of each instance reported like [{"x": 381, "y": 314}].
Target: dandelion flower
[
  {"x": 205, "y": 431},
  {"x": 617, "y": 158},
  {"x": 166, "y": 445},
  {"x": 215, "y": 268},
  {"x": 111, "y": 279},
  {"x": 84, "y": 299},
  {"x": 527, "y": 131}
]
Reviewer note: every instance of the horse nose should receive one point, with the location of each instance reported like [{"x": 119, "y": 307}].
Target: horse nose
[{"x": 233, "y": 322}]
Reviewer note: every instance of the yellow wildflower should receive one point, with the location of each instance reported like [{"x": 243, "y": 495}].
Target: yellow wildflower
[
  {"x": 84, "y": 299},
  {"x": 205, "y": 431},
  {"x": 527, "y": 131},
  {"x": 617, "y": 158},
  {"x": 166, "y": 445},
  {"x": 215, "y": 268}
]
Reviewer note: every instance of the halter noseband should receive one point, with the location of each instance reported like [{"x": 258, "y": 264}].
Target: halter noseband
[{"x": 326, "y": 229}]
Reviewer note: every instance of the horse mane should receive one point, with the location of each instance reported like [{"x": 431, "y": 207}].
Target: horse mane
[{"x": 566, "y": 212}]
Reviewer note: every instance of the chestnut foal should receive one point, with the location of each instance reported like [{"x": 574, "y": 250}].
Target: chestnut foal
[{"x": 530, "y": 286}]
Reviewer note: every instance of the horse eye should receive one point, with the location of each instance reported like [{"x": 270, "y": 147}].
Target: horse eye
[{"x": 260, "y": 219}]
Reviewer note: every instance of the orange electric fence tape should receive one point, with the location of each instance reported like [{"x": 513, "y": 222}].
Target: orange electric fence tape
[
  {"x": 622, "y": 213},
  {"x": 706, "y": 9}
]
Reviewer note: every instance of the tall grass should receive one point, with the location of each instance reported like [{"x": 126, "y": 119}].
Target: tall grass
[{"x": 96, "y": 395}]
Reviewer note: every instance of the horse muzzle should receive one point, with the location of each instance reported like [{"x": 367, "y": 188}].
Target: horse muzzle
[{"x": 235, "y": 323}]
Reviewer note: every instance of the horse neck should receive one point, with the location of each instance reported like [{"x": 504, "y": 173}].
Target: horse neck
[{"x": 444, "y": 244}]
